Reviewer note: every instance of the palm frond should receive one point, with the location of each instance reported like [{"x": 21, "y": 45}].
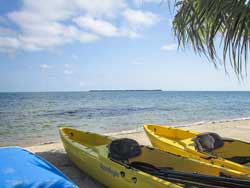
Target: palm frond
[{"x": 202, "y": 22}]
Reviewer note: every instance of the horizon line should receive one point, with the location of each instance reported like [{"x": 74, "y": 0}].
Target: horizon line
[{"x": 122, "y": 90}]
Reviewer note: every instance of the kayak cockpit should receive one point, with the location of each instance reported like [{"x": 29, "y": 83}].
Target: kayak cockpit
[
  {"x": 169, "y": 132},
  {"x": 168, "y": 166},
  {"x": 85, "y": 138},
  {"x": 234, "y": 150},
  {"x": 195, "y": 144},
  {"x": 128, "y": 151}
]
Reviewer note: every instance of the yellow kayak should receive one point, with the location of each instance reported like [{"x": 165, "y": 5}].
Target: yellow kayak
[
  {"x": 205, "y": 147},
  {"x": 111, "y": 163}
]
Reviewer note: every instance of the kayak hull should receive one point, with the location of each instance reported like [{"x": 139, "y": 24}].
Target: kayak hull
[
  {"x": 180, "y": 142},
  {"x": 109, "y": 173}
]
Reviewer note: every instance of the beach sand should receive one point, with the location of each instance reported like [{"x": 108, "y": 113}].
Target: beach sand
[{"x": 55, "y": 154}]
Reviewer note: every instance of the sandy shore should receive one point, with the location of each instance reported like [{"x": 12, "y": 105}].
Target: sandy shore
[{"x": 55, "y": 153}]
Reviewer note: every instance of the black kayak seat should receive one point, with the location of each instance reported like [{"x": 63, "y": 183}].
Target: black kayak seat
[
  {"x": 207, "y": 142},
  {"x": 123, "y": 149}
]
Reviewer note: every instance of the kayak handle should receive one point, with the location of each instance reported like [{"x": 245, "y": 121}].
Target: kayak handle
[
  {"x": 132, "y": 180},
  {"x": 122, "y": 174}
]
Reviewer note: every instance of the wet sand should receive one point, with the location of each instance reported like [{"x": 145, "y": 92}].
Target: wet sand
[{"x": 55, "y": 154}]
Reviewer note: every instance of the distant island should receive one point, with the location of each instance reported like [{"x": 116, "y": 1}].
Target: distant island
[{"x": 126, "y": 90}]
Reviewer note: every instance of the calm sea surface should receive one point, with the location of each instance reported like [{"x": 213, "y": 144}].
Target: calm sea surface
[{"x": 28, "y": 118}]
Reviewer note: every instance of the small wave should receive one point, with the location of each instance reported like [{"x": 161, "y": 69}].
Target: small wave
[
  {"x": 215, "y": 121},
  {"x": 131, "y": 131},
  {"x": 240, "y": 119},
  {"x": 47, "y": 142},
  {"x": 102, "y": 112},
  {"x": 140, "y": 129}
]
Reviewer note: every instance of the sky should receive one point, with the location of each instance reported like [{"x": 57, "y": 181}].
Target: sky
[{"x": 79, "y": 45}]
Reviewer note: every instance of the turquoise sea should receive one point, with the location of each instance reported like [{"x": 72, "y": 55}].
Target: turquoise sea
[{"x": 29, "y": 118}]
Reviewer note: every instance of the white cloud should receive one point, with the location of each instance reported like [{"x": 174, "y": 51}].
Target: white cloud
[
  {"x": 105, "y": 28},
  {"x": 137, "y": 63},
  {"x": 170, "y": 47},
  {"x": 47, "y": 24},
  {"x": 45, "y": 66},
  {"x": 41, "y": 26},
  {"x": 130, "y": 33},
  {"x": 142, "y": 2},
  {"x": 58, "y": 36},
  {"x": 65, "y": 9},
  {"x": 107, "y": 8},
  {"x": 154, "y": 1},
  {"x": 68, "y": 72},
  {"x": 165, "y": 3},
  {"x": 98, "y": 26},
  {"x": 6, "y": 42},
  {"x": 38, "y": 34},
  {"x": 86, "y": 37},
  {"x": 138, "y": 18}
]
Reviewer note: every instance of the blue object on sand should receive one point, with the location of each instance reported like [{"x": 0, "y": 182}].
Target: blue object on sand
[{"x": 20, "y": 168}]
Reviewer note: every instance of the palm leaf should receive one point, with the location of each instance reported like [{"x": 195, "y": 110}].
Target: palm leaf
[{"x": 200, "y": 23}]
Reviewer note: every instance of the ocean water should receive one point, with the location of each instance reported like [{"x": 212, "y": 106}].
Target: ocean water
[{"x": 29, "y": 118}]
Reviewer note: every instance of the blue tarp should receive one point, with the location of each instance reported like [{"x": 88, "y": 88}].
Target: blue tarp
[{"x": 22, "y": 169}]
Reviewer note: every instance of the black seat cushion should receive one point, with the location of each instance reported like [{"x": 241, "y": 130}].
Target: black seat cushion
[
  {"x": 123, "y": 149},
  {"x": 207, "y": 142}
]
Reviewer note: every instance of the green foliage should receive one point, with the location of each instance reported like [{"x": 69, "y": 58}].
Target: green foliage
[{"x": 202, "y": 23}]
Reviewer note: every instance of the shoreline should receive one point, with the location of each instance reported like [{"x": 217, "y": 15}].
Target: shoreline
[
  {"x": 203, "y": 126},
  {"x": 55, "y": 154}
]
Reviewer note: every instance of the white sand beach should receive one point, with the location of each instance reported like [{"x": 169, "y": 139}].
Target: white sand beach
[{"x": 55, "y": 154}]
